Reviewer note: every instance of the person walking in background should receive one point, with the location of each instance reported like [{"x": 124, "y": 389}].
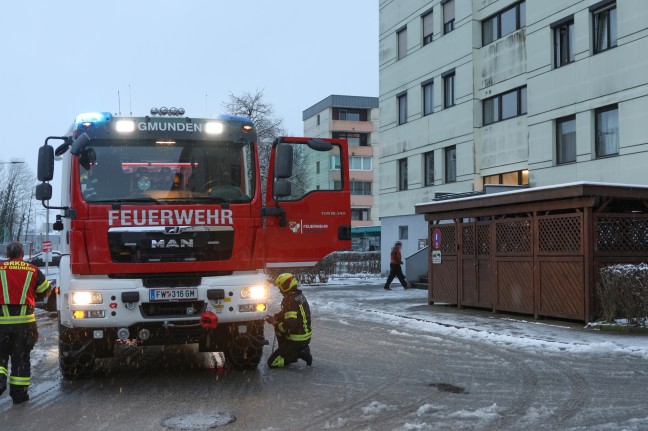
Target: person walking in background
[
  {"x": 395, "y": 270},
  {"x": 21, "y": 283}
]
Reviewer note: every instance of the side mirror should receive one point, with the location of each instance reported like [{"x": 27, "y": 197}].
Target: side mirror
[
  {"x": 44, "y": 192},
  {"x": 284, "y": 161},
  {"x": 319, "y": 145},
  {"x": 45, "y": 163},
  {"x": 281, "y": 188},
  {"x": 79, "y": 144}
]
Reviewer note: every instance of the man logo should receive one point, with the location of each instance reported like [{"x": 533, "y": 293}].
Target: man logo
[{"x": 172, "y": 243}]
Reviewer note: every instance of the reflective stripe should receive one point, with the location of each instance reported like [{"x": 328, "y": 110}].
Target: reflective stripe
[
  {"x": 3, "y": 370},
  {"x": 43, "y": 286},
  {"x": 11, "y": 320},
  {"x": 5, "y": 310},
  {"x": 23, "y": 310},
  {"x": 23, "y": 297},
  {"x": 304, "y": 318},
  {"x": 299, "y": 337},
  {"x": 281, "y": 328},
  {"x": 19, "y": 381},
  {"x": 5, "y": 286},
  {"x": 278, "y": 362},
  {"x": 290, "y": 315}
]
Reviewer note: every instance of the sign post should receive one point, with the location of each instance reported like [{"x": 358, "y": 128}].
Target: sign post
[{"x": 436, "y": 244}]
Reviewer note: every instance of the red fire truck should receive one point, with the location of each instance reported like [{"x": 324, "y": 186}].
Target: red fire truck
[{"x": 166, "y": 233}]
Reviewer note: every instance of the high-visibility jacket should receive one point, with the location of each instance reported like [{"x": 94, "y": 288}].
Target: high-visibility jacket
[
  {"x": 22, "y": 283},
  {"x": 294, "y": 319}
]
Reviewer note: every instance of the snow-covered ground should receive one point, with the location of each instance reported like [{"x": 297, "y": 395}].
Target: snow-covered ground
[{"x": 410, "y": 308}]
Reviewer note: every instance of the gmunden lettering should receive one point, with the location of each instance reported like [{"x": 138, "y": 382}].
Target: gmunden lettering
[
  {"x": 169, "y": 127},
  {"x": 155, "y": 217}
]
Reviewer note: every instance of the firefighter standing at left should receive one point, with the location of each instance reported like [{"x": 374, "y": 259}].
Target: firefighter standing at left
[{"x": 22, "y": 283}]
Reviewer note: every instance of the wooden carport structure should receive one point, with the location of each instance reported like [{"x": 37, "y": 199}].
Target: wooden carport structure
[{"x": 534, "y": 251}]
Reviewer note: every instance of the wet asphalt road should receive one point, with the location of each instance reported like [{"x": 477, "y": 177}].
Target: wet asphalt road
[{"x": 369, "y": 373}]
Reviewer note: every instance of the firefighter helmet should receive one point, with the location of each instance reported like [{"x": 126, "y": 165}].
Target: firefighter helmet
[{"x": 286, "y": 282}]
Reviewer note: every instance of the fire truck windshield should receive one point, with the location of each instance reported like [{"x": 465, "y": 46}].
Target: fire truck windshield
[{"x": 166, "y": 170}]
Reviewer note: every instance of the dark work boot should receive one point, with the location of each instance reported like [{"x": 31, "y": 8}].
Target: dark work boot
[{"x": 305, "y": 355}]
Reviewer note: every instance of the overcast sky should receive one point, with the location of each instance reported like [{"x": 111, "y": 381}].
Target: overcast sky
[{"x": 60, "y": 59}]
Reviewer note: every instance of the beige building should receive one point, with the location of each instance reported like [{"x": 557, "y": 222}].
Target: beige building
[
  {"x": 355, "y": 119},
  {"x": 476, "y": 92}
]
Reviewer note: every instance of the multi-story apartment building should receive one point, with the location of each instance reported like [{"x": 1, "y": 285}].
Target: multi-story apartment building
[
  {"x": 535, "y": 92},
  {"x": 354, "y": 118}
]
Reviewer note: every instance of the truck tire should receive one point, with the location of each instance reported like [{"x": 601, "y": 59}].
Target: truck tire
[
  {"x": 76, "y": 352},
  {"x": 244, "y": 351}
]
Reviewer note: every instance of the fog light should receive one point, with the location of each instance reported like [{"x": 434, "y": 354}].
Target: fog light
[
  {"x": 260, "y": 307},
  {"x": 144, "y": 334},
  {"x": 97, "y": 334},
  {"x": 123, "y": 333}
]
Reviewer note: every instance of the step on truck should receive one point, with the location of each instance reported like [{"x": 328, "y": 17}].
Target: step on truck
[{"x": 167, "y": 233}]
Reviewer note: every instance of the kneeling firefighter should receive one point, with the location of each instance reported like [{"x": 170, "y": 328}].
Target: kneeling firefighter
[{"x": 292, "y": 324}]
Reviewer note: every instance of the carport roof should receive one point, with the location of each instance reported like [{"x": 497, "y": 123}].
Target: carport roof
[{"x": 559, "y": 196}]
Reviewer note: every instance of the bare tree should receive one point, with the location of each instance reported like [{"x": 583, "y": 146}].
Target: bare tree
[
  {"x": 267, "y": 125},
  {"x": 16, "y": 194}
]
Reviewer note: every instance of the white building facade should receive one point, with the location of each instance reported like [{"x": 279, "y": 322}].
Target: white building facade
[{"x": 535, "y": 92}]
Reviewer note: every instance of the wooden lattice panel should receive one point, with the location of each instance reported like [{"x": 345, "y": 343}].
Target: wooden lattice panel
[
  {"x": 468, "y": 240},
  {"x": 622, "y": 234},
  {"x": 560, "y": 234},
  {"x": 483, "y": 239},
  {"x": 513, "y": 236},
  {"x": 448, "y": 241}
]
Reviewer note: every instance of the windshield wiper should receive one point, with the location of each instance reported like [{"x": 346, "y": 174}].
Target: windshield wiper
[{"x": 143, "y": 199}]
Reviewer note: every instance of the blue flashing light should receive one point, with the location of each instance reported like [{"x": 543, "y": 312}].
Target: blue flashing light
[{"x": 93, "y": 117}]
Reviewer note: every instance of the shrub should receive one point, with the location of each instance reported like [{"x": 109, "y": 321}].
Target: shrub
[
  {"x": 337, "y": 263},
  {"x": 623, "y": 291}
]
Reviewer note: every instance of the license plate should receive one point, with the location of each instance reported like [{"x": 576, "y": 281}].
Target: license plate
[{"x": 173, "y": 294}]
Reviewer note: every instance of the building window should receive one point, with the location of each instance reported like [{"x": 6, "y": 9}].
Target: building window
[
  {"x": 451, "y": 164},
  {"x": 505, "y": 106},
  {"x": 428, "y": 97},
  {"x": 349, "y": 114},
  {"x": 335, "y": 163},
  {"x": 427, "y": 27},
  {"x": 449, "y": 89},
  {"x": 403, "y": 232},
  {"x": 317, "y": 167},
  {"x": 504, "y": 23},
  {"x": 428, "y": 168},
  {"x": 318, "y": 119},
  {"x": 448, "y": 16},
  {"x": 516, "y": 178},
  {"x": 360, "y": 163},
  {"x": 402, "y": 109},
  {"x": 564, "y": 43},
  {"x": 359, "y": 214},
  {"x": 401, "y": 35},
  {"x": 360, "y": 188},
  {"x": 402, "y": 174},
  {"x": 605, "y": 27},
  {"x": 354, "y": 139},
  {"x": 566, "y": 140},
  {"x": 607, "y": 131}
]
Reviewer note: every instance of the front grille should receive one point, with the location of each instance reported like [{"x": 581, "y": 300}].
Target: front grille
[
  {"x": 172, "y": 309},
  {"x": 151, "y": 282},
  {"x": 170, "y": 244}
]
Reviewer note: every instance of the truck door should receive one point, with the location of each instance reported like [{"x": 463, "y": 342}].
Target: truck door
[{"x": 308, "y": 207}]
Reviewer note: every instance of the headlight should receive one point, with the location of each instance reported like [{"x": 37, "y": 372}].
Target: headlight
[
  {"x": 86, "y": 298},
  {"x": 253, "y": 292},
  {"x": 214, "y": 128}
]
